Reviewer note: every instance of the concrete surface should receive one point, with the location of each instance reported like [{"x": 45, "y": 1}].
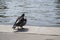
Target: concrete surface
[
  {"x": 26, "y": 36},
  {"x": 29, "y": 33}
]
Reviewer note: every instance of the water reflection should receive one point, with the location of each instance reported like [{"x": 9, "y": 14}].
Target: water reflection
[
  {"x": 3, "y": 8},
  {"x": 2, "y": 4},
  {"x": 58, "y": 11},
  {"x": 38, "y": 12},
  {"x": 58, "y": 1}
]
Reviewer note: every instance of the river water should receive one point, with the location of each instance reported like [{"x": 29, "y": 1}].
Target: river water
[{"x": 37, "y": 12}]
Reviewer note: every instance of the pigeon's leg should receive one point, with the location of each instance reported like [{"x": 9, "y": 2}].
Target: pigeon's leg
[
  {"x": 14, "y": 27},
  {"x": 21, "y": 27}
]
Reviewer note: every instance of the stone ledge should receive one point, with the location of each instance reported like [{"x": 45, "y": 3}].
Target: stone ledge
[{"x": 32, "y": 29}]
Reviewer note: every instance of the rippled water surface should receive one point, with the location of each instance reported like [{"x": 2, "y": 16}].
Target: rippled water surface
[{"x": 37, "y": 12}]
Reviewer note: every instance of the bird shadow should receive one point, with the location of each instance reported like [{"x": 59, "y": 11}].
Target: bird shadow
[{"x": 22, "y": 30}]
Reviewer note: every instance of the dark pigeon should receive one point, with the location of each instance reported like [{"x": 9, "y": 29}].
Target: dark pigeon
[{"x": 21, "y": 21}]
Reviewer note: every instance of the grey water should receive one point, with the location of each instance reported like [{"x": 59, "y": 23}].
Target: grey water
[{"x": 37, "y": 12}]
